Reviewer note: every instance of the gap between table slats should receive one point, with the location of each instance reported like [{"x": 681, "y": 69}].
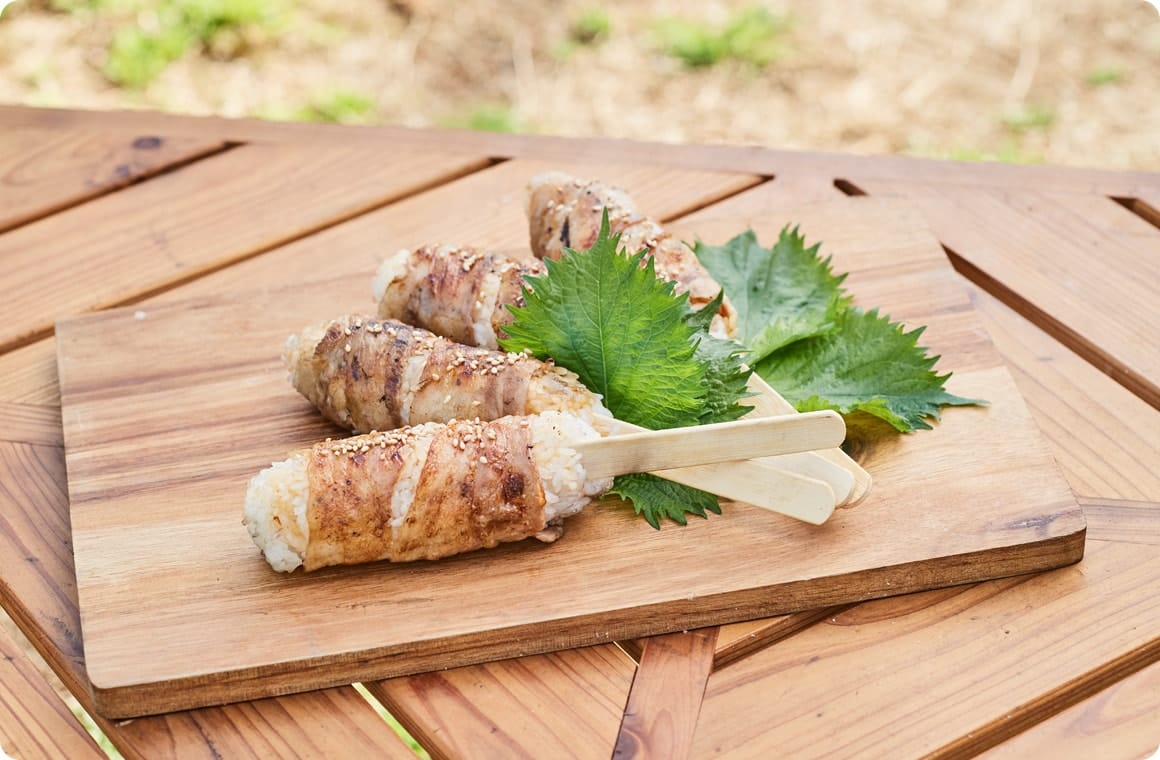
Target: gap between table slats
[
  {"x": 45, "y": 173},
  {"x": 1034, "y": 251},
  {"x": 178, "y": 226},
  {"x": 34, "y": 722},
  {"x": 1146, "y": 205}
]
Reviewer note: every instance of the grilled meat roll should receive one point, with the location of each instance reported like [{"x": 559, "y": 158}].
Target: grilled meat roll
[
  {"x": 368, "y": 374},
  {"x": 421, "y": 492},
  {"x": 457, "y": 292},
  {"x": 565, "y": 212}
]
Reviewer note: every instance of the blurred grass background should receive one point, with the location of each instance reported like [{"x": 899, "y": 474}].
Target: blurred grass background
[{"x": 1020, "y": 80}]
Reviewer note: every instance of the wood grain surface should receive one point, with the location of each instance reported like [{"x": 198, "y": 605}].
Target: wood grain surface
[
  {"x": 976, "y": 664},
  {"x": 42, "y": 173},
  {"x": 216, "y": 211},
  {"x": 30, "y": 423},
  {"x": 748, "y": 158},
  {"x": 488, "y": 213},
  {"x": 1122, "y": 520},
  {"x": 565, "y": 704},
  {"x": 138, "y": 462},
  {"x": 1102, "y": 435},
  {"x": 666, "y": 695},
  {"x": 29, "y": 377},
  {"x": 37, "y": 587},
  {"x": 1106, "y": 439},
  {"x": 1064, "y": 273},
  {"x": 1122, "y": 721},
  {"x": 34, "y": 722}
]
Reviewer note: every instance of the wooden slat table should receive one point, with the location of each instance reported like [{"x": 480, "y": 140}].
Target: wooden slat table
[{"x": 98, "y": 210}]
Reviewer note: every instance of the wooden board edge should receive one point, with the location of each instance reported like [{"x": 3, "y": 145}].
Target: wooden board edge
[
  {"x": 1052, "y": 703},
  {"x": 135, "y": 700}
]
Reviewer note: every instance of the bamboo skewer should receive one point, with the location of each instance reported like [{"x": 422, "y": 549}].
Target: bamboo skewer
[
  {"x": 810, "y": 465},
  {"x": 710, "y": 444},
  {"x": 758, "y": 482},
  {"x": 768, "y": 402}
]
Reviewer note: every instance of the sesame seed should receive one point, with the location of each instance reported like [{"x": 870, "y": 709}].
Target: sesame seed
[
  {"x": 483, "y": 460},
  {"x": 346, "y": 348}
]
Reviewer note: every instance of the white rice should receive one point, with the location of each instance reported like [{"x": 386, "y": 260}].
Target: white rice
[
  {"x": 299, "y": 350},
  {"x": 275, "y": 512},
  {"x": 482, "y": 311},
  {"x": 567, "y": 488},
  {"x": 298, "y": 356},
  {"x": 393, "y": 268},
  {"x": 560, "y": 390}
]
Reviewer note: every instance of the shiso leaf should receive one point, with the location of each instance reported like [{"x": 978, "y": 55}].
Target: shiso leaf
[
  {"x": 656, "y": 499},
  {"x": 867, "y": 364},
  {"x": 604, "y": 315},
  {"x": 607, "y": 317},
  {"x": 782, "y": 294}
]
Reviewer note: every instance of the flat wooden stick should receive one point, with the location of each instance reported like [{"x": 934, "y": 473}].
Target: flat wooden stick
[
  {"x": 811, "y": 464},
  {"x": 768, "y": 401},
  {"x": 769, "y": 483},
  {"x": 708, "y": 444},
  {"x": 761, "y": 483}
]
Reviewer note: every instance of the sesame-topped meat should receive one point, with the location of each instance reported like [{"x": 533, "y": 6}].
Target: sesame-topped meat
[
  {"x": 565, "y": 212},
  {"x": 457, "y": 292},
  {"x": 370, "y": 374},
  {"x": 421, "y": 492}
]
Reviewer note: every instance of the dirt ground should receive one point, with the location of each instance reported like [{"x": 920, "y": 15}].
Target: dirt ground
[{"x": 1067, "y": 83}]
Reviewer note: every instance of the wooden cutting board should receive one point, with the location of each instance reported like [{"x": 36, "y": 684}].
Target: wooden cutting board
[{"x": 169, "y": 410}]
